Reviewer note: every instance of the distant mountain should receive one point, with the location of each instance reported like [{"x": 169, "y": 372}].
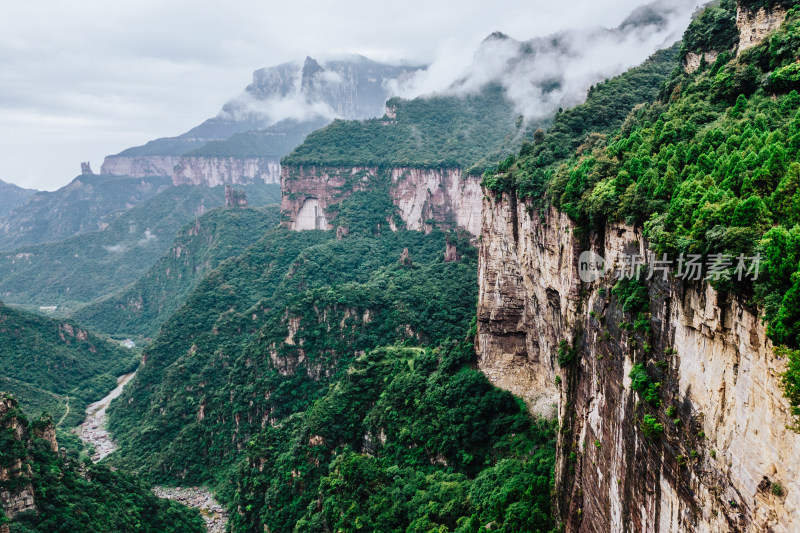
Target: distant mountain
[
  {"x": 141, "y": 308},
  {"x": 288, "y": 100},
  {"x": 509, "y": 90},
  {"x": 87, "y": 203},
  {"x": 79, "y": 269},
  {"x": 11, "y": 196}
]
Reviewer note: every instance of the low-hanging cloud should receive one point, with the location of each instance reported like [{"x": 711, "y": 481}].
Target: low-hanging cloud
[
  {"x": 122, "y": 247},
  {"x": 545, "y": 73}
]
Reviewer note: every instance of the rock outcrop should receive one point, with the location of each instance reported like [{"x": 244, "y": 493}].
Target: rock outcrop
[
  {"x": 446, "y": 198},
  {"x": 16, "y": 490},
  {"x": 693, "y": 60},
  {"x": 139, "y": 166},
  {"x": 711, "y": 471},
  {"x": 213, "y": 171},
  {"x": 755, "y": 25}
]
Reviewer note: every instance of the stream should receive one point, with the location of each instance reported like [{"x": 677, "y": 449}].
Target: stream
[{"x": 94, "y": 431}]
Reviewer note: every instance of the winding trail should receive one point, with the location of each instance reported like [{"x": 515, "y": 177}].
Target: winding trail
[
  {"x": 94, "y": 431},
  {"x": 65, "y": 414}
]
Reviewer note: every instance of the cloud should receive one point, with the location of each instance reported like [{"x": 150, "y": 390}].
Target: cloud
[
  {"x": 94, "y": 80},
  {"x": 121, "y": 247},
  {"x": 148, "y": 237},
  {"x": 116, "y": 248},
  {"x": 545, "y": 73}
]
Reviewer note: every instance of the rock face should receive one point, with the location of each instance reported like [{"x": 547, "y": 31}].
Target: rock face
[
  {"x": 213, "y": 171},
  {"x": 235, "y": 197},
  {"x": 712, "y": 471},
  {"x": 16, "y": 491},
  {"x": 423, "y": 197},
  {"x": 755, "y": 25},
  {"x": 693, "y": 60},
  {"x": 139, "y": 166}
]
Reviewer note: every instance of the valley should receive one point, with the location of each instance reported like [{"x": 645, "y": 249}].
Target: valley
[{"x": 535, "y": 300}]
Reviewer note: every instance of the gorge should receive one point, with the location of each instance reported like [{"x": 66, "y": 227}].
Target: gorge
[{"x": 460, "y": 318}]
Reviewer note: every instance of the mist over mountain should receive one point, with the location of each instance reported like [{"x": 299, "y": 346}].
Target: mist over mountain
[
  {"x": 291, "y": 98},
  {"x": 544, "y": 73}
]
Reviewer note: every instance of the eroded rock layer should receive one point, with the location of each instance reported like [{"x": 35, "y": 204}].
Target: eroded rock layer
[
  {"x": 424, "y": 198},
  {"x": 728, "y": 464}
]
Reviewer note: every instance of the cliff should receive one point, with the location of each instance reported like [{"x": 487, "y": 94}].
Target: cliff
[
  {"x": 16, "y": 490},
  {"x": 423, "y": 197},
  {"x": 139, "y": 166},
  {"x": 213, "y": 171},
  {"x": 755, "y": 23},
  {"x": 729, "y": 464}
]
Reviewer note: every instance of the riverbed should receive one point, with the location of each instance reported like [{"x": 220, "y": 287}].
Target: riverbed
[
  {"x": 94, "y": 428},
  {"x": 94, "y": 431}
]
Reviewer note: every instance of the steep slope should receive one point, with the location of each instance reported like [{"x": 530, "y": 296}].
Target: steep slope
[
  {"x": 271, "y": 328},
  {"x": 273, "y": 115},
  {"x": 140, "y": 309},
  {"x": 55, "y": 365},
  {"x": 408, "y": 439},
  {"x": 88, "y": 203},
  {"x": 80, "y": 269},
  {"x": 41, "y": 490},
  {"x": 674, "y": 396},
  {"x": 11, "y": 196}
]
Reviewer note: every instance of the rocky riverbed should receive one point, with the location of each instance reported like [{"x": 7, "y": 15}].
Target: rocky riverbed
[
  {"x": 200, "y": 498},
  {"x": 94, "y": 431}
]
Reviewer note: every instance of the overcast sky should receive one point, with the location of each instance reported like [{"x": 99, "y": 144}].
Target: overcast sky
[{"x": 82, "y": 79}]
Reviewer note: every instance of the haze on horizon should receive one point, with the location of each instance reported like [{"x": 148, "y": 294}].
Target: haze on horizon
[{"x": 82, "y": 80}]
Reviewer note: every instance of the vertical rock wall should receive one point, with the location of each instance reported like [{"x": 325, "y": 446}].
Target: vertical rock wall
[
  {"x": 423, "y": 197},
  {"x": 712, "y": 471}
]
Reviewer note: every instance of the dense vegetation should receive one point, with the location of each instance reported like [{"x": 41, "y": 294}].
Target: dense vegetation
[
  {"x": 408, "y": 439},
  {"x": 713, "y": 31},
  {"x": 80, "y": 269},
  {"x": 607, "y": 104},
  {"x": 84, "y": 205},
  {"x": 434, "y": 131},
  {"x": 141, "y": 308},
  {"x": 72, "y": 496},
  {"x": 262, "y": 336},
  {"x": 710, "y": 168},
  {"x": 55, "y": 366}
]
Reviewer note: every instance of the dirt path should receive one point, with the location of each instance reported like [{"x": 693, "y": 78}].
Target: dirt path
[{"x": 65, "y": 414}]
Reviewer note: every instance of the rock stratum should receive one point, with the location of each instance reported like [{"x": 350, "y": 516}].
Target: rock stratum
[
  {"x": 714, "y": 471},
  {"x": 423, "y": 197}
]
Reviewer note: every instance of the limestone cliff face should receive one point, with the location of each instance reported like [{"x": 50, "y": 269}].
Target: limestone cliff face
[
  {"x": 16, "y": 491},
  {"x": 213, "y": 171},
  {"x": 693, "y": 60},
  {"x": 424, "y": 197},
  {"x": 714, "y": 470},
  {"x": 139, "y": 166},
  {"x": 755, "y": 25}
]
